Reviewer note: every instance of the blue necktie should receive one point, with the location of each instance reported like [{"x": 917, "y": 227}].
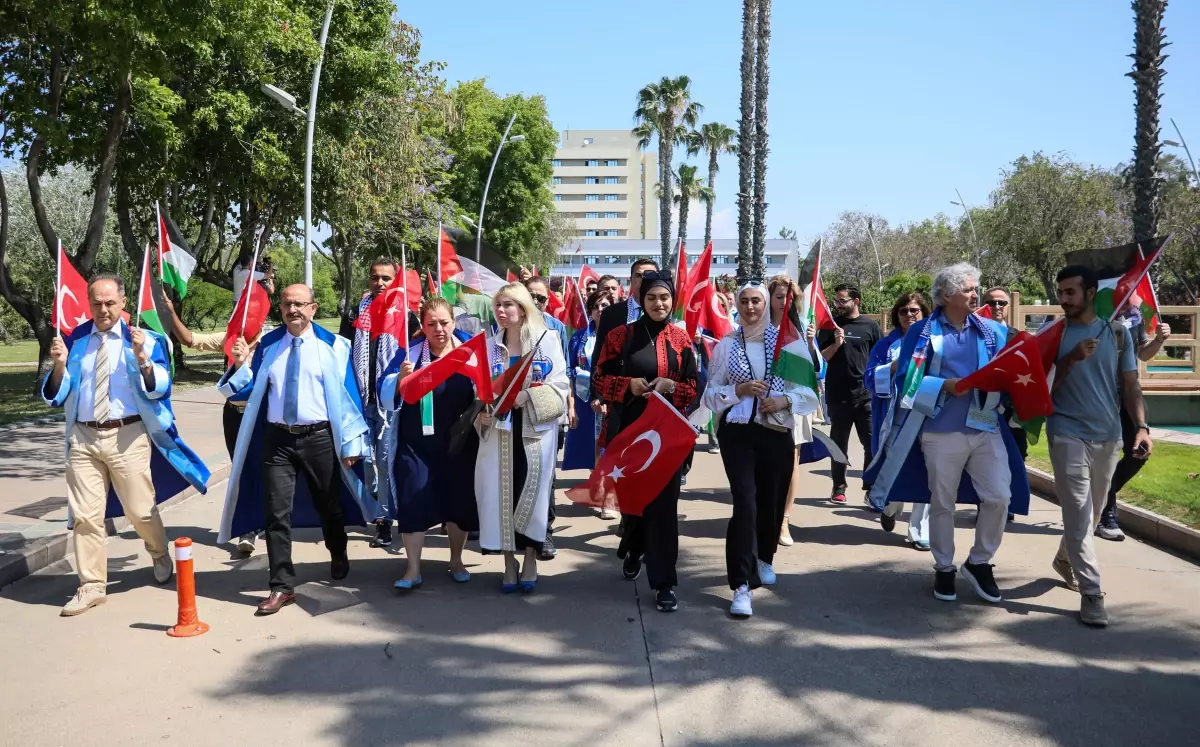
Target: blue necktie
[{"x": 291, "y": 384}]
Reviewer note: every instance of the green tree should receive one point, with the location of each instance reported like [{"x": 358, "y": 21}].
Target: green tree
[
  {"x": 665, "y": 109},
  {"x": 688, "y": 188},
  {"x": 519, "y": 199},
  {"x": 715, "y": 139},
  {"x": 1149, "y": 39},
  {"x": 787, "y": 233},
  {"x": 745, "y": 142}
]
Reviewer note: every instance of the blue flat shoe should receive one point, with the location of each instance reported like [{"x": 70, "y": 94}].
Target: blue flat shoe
[
  {"x": 527, "y": 587},
  {"x": 405, "y": 585},
  {"x": 460, "y": 577},
  {"x": 507, "y": 588}
]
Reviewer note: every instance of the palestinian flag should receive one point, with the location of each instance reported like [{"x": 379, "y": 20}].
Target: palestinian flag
[
  {"x": 1132, "y": 287},
  {"x": 459, "y": 275},
  {"x": 147, "y": 312},
  {"x": 175, "y": 261},
  {"x": 813, "y": 307},
  {"x": 792, "y": 361}
]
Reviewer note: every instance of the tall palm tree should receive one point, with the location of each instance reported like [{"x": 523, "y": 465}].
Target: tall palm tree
[
  {"x": 761, "y": 83},
  {"x": 688, "y": 188},
  {"x": 1149, "y": 39},
  {"x": 665, "y": 109},
  {"x": 716, "y": 139},
  {"x": 746, "y": 142}
]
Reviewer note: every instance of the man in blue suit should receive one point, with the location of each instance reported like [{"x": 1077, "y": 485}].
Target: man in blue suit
[
  {"x": 123, "y": 452},
  {"x": 304, "y": 418}
]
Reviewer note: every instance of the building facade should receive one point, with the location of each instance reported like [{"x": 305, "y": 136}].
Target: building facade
[
  {"x": 606, "y": 185},
  {"x": 613, "y": 257}
]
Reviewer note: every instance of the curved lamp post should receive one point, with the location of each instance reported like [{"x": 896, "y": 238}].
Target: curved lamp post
[{"x": 483, "y": 203}]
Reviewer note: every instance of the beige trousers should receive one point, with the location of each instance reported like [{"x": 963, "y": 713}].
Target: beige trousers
[{"x": 98, "y": 458}]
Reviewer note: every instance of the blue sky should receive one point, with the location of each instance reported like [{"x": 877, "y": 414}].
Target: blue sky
[{"x": 876, "y": 106}]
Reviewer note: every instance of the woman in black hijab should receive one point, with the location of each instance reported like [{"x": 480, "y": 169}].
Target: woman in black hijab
[{"x": 646, "y": 356}]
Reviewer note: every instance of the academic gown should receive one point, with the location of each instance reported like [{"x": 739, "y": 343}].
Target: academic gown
[
  {"x": 173, "y": 466},
  {"x": 880, "y": 381},
  {"x": 898, "y": 474},
  {"x": 343, "y": 404},
  {"x": 580, "y": 450}
]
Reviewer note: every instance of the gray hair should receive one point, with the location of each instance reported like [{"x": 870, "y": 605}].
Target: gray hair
[
  {"x": 108, "y": 276},
  {"x": 952, "y": 279}
]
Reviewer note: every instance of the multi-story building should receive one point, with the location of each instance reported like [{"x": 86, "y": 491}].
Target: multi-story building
[
  {"x": 606, "y": 184},
  {"x": 609, "y": 257}
]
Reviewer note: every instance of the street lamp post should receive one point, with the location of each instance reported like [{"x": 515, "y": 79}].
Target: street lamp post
[
  {"x": 1183, "y": 144},
  {"x": 288, "y": 101},
  {"x": 878, "y": 266},
  {"x": 483, "y": 203},
  {"x": 974, "y": 238}
]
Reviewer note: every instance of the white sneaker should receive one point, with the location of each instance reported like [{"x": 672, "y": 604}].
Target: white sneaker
[
  {"x": 766, "y": 574},
  {"x": 245, "y": 544},
  {"x": 164, "y": 565},
  {"x": 741, "y": 602},
  {"x": 85, "y": 598},
  {"x": 1111, "y": 532}
]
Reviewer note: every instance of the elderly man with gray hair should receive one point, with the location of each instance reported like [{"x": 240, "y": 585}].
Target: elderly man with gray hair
[{"x": 939, "y": 434}]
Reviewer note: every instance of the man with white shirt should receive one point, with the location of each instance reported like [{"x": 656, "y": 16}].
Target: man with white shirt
[
  {"x": 114, "y": 383},
  {"x": 303, "y": 419}
]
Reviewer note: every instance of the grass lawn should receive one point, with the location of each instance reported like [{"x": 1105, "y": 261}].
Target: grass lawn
[
  {"x": 25, "y": 351},
  {"x": 17, "y": 398},
  {"x": 1162, "y": 486}
]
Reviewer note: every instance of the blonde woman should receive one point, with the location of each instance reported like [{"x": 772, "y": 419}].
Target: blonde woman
[{"x": 514, "y": 472}]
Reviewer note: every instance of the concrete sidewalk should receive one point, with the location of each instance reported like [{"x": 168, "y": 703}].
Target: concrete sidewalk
[{"x": 849, "y": 648}]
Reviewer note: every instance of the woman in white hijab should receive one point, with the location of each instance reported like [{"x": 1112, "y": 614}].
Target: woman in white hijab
[{"x": 755, "y": 412}]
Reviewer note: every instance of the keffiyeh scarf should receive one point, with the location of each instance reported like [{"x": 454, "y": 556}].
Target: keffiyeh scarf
[{"x": 361, "y": 350}]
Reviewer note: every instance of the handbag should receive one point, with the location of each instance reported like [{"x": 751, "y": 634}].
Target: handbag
[{"x": 464, "y": 428}]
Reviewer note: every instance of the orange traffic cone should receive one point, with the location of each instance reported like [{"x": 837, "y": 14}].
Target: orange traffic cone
[{"x": 185, "y": 582}]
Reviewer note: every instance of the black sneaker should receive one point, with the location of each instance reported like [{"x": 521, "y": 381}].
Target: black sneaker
[
  {"x": 549, "y": 552},
  {"x": 887, "y": 522},
  {"x": 631, "y": 568},
  {"x": 383, "y": 534},
  {"x": 943, "y": 586},
  {"x": 980, "y": 576},
  {"x": 666, "y": 601},
  {"x": 1108, "y": 528}
]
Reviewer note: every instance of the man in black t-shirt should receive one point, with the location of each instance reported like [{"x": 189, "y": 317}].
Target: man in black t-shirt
[{"x": 846, "y": 350}]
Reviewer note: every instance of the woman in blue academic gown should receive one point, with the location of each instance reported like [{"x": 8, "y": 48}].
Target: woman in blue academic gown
[{"x": 580, "y": 451}]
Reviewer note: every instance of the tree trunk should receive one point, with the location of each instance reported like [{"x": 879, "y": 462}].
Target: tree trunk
[
  {"x": 683, "y": 216},
  {"x": 746, "y": 144},
  {"x": 708, "y": 204},
  {"x": 29, "y": 310},
  {"x": 666, "y": 147},
  {"x": 761, "y": 83},
  {"x": 1147, "y": 76}
]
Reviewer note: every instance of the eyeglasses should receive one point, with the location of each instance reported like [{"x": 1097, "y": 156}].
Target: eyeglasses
[
  {"x": 842, "y": 301},
  {"x": 997, "y": 303},
  {"x": 295, "y": 305},
  {"x": 539, "y": 298},
  {"x": 910, "y": 311}
]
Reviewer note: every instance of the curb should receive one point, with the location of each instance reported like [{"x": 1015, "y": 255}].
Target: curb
[
  {"x": 46, "y": 551},
  {"x": 39, "y": 420},
  {"x": 1145, "y": 525}
]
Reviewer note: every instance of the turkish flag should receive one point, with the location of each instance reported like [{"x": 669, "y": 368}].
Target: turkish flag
[
  {"x": 586, "y": 275},
  {"x": 640, "y": 461},
  {"x": 1020, "y": 371},
  {"x": 469, "y": 359},
  {"x": 575, "y": 310},
  {"x": 554, "y": 305},
  {"x": 703, "y": 309},
  {"x": 511, "y": 277},
  {"x": 71, "y": 297},
  {"x": 413, "y": 285},
  {"x": 388, "y": 312},
  {"x": 248, "y": 317},
  {"x": 682, "y": 290}
]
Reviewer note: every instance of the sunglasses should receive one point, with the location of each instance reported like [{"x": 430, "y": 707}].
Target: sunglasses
[
  {"x": 911, "y": 311},
  {"x": 997, "y": 303},
  {"x": 539, "y": 298}
]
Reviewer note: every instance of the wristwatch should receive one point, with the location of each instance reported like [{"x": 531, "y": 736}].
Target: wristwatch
[
  {"x": 1142, "y": 426},
  {"x": 149, "y": 364}
]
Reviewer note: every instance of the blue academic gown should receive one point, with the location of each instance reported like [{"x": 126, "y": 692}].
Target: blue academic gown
[
  {"x": 173, "y": 466},
  {"x": 879, "y": 381},
  {"x": 897, "y": 474},
  {"x": 349, "y": 430},
  {"x": 580, "y": 450}
]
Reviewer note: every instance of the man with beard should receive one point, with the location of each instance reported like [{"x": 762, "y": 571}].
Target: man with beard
[{"x": 846, "y": 350}]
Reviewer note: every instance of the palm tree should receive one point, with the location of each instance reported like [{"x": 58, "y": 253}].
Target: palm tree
[
  {"x": 1149, "y": 38},
  {"x": 665, "y": 109},
  {"x": 746, "y": 141},
  {"x": 687, "y": 190},
  {"x": 716, "y": 139},
  {"x": 761, "y": 83}
]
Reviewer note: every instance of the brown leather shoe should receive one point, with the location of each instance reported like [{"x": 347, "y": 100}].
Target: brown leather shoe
[
  {"x": 277, "y": 601},
  {"x": 339, "y": 567}
]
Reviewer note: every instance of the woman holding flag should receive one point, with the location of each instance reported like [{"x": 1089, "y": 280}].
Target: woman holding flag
[
  {"x": 514, "y": 472},
  {"x": 431, "y": 483},
  {"x": 580, "y": 451},
  {"x": 760, "y": 379},
  {"x": 646, "y": 356}
]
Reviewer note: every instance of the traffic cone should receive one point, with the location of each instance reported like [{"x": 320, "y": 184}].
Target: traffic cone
[{"x": 185, "y": 582}]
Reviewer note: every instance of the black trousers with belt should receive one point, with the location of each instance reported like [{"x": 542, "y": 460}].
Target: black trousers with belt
[
  {"x": 843, "y": 417},
  {"x": 759, "y": 463},
  {"x": 654, "y": 536},
  {"x": 313, "y": 458}
]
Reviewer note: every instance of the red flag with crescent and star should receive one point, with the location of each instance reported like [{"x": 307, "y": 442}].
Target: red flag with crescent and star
[
  {"x": 71, "y": 300},
  {"x": 587, "y": 275},
  {"x": 1020, "y": 371},
  {"x": 641, "y": 460},
  {"x": 469, "y": 359},
  {"x": 703, "y": 309}
]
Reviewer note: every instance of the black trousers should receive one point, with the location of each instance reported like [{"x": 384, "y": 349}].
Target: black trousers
[
  {"x": 231, "y": 423},
  {"x": 654, "y": 536},
  {"x": 759, "y": 463},
  {"x": 313, "y": 457},
  {"x": 844, "y": 416},
  {"x": 1128, "y": 466}
]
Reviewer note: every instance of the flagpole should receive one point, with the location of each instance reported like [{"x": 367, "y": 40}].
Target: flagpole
[
  {"x": 158, "y": 214},
  {"x": 439, "y": 255},
  {"x": 142, "y": 280},
  {"x": 58, "y": 292}
]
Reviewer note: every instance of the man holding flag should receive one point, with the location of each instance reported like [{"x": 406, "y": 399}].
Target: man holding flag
[{"x": 1095, "y": 374}]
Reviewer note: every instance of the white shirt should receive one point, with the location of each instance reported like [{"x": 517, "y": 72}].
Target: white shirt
[
  {"x": 721, "y": 395},
  {"x": 311, "y": 403},
  {"x": 121, "y": 403}
]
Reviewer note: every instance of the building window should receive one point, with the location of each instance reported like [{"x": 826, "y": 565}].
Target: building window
[
  {"x": 610, "y": 215},
  {"x": 558, "y": 198},
  {"x": 593, "y": 163},
  {"x": 591, "y": 180},
  {"x": 558, "y": 180},
  {"x": 556, "y": 163},
  {"x": 612, "y": 198},
  {"x": 591, "y": 232},
  {"x": 611, "y": 162},
  {"x": 610, "y": 259},
  {"x": 592, "y": 198},
  {"x": 612, "y": 232},
  {"x": 591, "y": 215},
  {"x": 612, "y": 180}
]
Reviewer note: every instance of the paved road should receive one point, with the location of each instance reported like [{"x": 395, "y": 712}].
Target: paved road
[{"x": 849, "y": 648}]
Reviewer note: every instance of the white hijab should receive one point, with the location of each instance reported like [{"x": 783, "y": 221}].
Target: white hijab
[{"x": 756, "y": 332}]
